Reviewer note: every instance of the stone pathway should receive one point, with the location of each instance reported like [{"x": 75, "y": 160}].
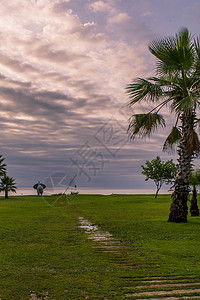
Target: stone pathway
[
  {"x": 103, "y": 239},
  {"x": 167, "y": 288},
  {"x": 154, "y": 288}
]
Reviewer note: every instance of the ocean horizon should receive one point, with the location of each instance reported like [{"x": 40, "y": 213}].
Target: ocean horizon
[{"x": 85, "y": 190}]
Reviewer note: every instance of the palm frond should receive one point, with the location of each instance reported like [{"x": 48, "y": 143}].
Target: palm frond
[
  {"x": 163, "y": 81},
  {"x": 184, "y": 104},
  {"x": 174, "y": 53},
  {"x": 194, "y": 83},
  {"x": 197, "y": 47},
  {"x": 143, "y": 89},
  {"x": 172, "y": 139},
  {"x": 7, "y": 183},
  {"x": 193, "y": 144},
  {"x": 183, "y": 38},
  {"x": 144, "y": 124}
]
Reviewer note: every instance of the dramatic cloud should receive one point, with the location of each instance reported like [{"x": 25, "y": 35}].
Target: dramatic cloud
[{"x": 64, "y": 68}]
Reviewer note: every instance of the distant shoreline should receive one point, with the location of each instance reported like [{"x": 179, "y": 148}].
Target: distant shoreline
[{"x": 82, "y": 190}]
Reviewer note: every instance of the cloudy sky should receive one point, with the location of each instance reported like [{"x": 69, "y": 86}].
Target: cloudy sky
[{"x": 64, "y": 67}]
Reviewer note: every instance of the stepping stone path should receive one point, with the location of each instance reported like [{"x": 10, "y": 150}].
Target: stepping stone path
[
  {"x": 147, "y": 288},
  {"x": 166, "y": 288},
  {"x": 104, "y": 241}
]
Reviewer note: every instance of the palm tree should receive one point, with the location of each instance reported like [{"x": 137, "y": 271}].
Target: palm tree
[
  {"x": 2, "y": 166},
  {"x": 177, "y": 86},
  {"x": 7, "y": 184},
  {"x": 194, "y": 181}
]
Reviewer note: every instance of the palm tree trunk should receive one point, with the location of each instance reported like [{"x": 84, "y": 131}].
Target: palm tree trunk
[
  {"x": 6, "y": 194},
  {"x": 194, "y": 210},
  {"x": 179, "y": 209}
]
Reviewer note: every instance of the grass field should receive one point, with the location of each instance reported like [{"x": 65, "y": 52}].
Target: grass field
[{"x": 44, "y": 251}]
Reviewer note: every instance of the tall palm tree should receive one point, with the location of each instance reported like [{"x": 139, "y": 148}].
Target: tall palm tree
[
  {"x": 7, "y": 184},
  {"x": 176, "y": 85},
  {"x": 194, "y": 181}
]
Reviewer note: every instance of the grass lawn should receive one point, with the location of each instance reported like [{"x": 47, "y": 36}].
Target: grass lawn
[{"x": 43, "y": 250}]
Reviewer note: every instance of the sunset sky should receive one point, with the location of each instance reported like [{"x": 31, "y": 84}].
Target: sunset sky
[{"x": 64, "y": 68}]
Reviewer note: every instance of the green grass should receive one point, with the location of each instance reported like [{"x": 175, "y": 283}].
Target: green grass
[{"x": 43, "y": 249}]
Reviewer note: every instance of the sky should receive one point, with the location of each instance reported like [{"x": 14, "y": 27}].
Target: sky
[{"x": 64, "y": 67}]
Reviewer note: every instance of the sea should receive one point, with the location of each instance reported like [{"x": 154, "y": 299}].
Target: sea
[{"x": 85, "y": 190}]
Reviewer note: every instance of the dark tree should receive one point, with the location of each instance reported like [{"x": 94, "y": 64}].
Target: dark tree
[{"x": 194, "y": 182}]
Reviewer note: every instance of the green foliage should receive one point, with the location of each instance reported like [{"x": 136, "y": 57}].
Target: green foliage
[
  {"x": 174, "y": 53},
  {"x": 143, "y": 89},
  {"x": 175, "y": 85},
  {"x": 159, "y": 171},
  {"x": 194, "y": 182},
  {"x": 195, "y": 177},
  {"x": 7, "y": 184},
  {"x": 144, "y": 124},
  {"x": 172, "y": 139}
]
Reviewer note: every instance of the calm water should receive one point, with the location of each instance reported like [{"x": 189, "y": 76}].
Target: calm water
[{"x": 103, "y": 191}]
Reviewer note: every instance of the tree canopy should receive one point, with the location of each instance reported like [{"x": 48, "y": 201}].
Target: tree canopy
[
  {"x": 7, "y": 184},
  {"x": 160, "y": 172}
]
